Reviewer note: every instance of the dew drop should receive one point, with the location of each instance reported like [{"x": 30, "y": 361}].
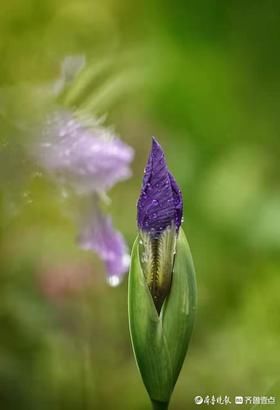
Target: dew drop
[
  {"x": 155, "y": 202},
  {"x": 113, "y": 280}
]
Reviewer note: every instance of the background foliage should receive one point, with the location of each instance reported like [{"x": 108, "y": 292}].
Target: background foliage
[{"x": 204, "y": 78}]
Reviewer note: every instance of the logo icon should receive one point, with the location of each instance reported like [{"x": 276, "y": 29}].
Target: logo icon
[
  {"x": 239, "y": 400},
  {"x": 198, "y": 400}
]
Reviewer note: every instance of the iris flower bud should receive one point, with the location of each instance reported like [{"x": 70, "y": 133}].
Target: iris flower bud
[{"x": 162, "y": 289}]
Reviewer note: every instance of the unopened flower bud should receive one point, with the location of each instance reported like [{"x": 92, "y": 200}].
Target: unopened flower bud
[{"x": 162, "y": 289}]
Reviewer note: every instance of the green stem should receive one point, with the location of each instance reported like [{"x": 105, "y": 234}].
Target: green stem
[{"x": 160, "y": 405}]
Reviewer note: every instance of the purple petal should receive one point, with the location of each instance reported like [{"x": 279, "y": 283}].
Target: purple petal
[
  {"x": 178, "y": 201},
  {"x": 99, "y": 236},
  {"x": 160, "y": 204},
  {"x": 85, "y": 156}
]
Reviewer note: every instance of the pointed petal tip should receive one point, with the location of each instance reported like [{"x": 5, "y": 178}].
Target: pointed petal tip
[
  {"x": 154, "y": 141},
  {"x": 156, "y": 147}
]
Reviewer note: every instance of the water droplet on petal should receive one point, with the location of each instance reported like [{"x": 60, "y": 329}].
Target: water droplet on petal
[
  {"x": 155, "y": 202},
  {"x": 113, "y": 281}
]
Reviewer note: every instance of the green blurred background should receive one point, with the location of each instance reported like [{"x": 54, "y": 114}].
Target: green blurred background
[{"x": 204, "y": 78}]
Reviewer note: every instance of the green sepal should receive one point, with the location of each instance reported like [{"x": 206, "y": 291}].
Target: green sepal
[
  {"x": 156, "y": 258},
  {"x": 160, "y": 342}
]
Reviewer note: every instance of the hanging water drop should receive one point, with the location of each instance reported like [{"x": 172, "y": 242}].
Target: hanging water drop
[{"x": 113, "y": 281}]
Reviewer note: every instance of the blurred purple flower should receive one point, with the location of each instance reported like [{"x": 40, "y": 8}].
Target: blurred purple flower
[
  {"x": 88, "y": 158},
  {"x": 99, "y": 235},
  {"x": 84, "y": 155}
]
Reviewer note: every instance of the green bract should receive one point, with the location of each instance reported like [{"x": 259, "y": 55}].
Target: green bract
[{"x": 160, "y": 341}]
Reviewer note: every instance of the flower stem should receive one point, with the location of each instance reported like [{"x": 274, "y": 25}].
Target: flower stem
[{"x": 160, "y": 405}]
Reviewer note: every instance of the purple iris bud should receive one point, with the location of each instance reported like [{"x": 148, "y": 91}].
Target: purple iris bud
[
  {"x": 160, "y": 204},
  {"x": 160, "y": 209}
]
